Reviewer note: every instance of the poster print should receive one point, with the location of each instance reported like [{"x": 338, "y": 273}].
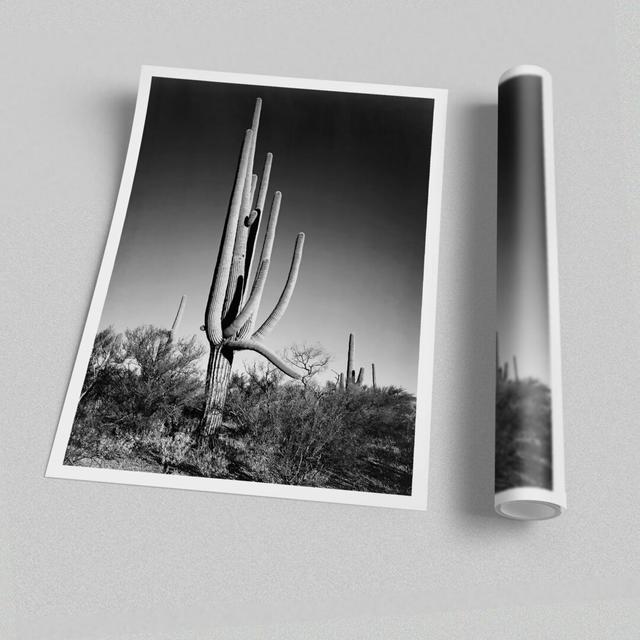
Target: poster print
[{"x": 263, "y": 321}]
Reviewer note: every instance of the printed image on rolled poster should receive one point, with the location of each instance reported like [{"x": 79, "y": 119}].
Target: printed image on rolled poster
[{"x": 529, "y": 458}]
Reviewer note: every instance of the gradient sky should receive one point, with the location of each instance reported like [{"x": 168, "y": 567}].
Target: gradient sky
[
  {"x": 353, "y": 170},
  {"x": 523, "y": 295}
]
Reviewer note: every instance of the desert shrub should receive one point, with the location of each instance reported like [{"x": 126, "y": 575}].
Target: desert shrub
[
  {"x": 143, "y": 401},
  {"x": 142, "y": 387},
  {"x": 167, "y": 380},
  {"x": 310, "y": 360},
  {"x": 209, "y": 464},
  {"x": 291, "y": 434},
  {"x": 99, "y": 446},
  {"x": 106, "y": 356},
  {"x": 302, "y": 434},
  {"x": 523, "y": 434},
  {"x": 174, "y": 450}
]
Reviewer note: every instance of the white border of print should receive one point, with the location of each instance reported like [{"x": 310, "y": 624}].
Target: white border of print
[{"x": 418, "y": 498}]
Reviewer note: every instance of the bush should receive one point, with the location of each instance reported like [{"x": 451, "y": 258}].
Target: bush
[
  {"x": 144, "y": 396},
  {"x": 140, "y": 387},
  {"x": 295, "y": 434},
  {"x": 523, "y": 434}
]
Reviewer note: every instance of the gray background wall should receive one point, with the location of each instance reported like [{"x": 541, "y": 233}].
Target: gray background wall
[{"x": 89, "y": 561}]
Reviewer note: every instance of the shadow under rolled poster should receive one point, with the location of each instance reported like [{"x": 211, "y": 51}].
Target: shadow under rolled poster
[{"x": 529, "y": 459}]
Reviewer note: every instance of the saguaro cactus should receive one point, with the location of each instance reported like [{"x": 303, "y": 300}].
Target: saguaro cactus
[
  {"x": 349, "y": 361},
  {"x": 373, "y": 375},
  {"x": 232, "y": 306},
  {"x": 165, "y": 344},
  {"x": 350, "y": 378}
]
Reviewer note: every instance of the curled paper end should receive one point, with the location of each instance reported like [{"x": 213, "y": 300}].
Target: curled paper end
[
  {"x": 525, "y": 70},
  {"x": 529, "y": 503}
]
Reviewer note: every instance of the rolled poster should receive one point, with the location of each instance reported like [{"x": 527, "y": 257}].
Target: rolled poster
[{"x": 529, "y": 457}]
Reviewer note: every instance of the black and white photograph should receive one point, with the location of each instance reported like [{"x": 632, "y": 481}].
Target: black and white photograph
[
  {"x": 527, "y": 382},
  {"x": 263, "y": 321}
]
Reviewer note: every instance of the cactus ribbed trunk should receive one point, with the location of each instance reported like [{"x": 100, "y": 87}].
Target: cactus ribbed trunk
[{"x": 218, "y": 376}]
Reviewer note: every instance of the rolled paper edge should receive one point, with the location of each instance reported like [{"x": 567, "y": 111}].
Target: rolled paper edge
[
  {"x": 530, "y": 503},
  {"x": 524, "y": 70}
]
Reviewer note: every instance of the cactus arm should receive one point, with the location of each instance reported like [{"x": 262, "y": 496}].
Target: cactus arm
[
  {"x": 255, "y": 123},
  {"x": 254, "y": 183},
  {"x": 253, "y": 232},
  {"x": 236, "y": 282},
  {"x": 267, "y": 247},
  {"x": 287, "y": 292},
  {"x": 254, "y": 227},
  {"x": 360, "y": 379},
  {"x": 259, "y": 206},
  {"x": 213, "y": 315},
  {"x": 252, "y": 303},
  {"x": 250, "y": 345},
  {"x": 264, "y": 183},
  {"x": 252, "y": 179},
  {"x": 253, "y": 216}
]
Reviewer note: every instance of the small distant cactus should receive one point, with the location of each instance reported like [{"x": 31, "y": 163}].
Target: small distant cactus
[
  {"x": 350, "y": 371},
  {"x": 163, "y": 344},
  {"x": 232, "y": 305},
  {"x": 178, "y": 318},
  {"x": 351, "y": 379},
  {"x": 502, "y": 372}
]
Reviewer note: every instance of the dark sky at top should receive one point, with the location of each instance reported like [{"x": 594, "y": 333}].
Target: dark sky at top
[
  {"x": 523, "y": 295},
  {"x": 353, "y": 170}
]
